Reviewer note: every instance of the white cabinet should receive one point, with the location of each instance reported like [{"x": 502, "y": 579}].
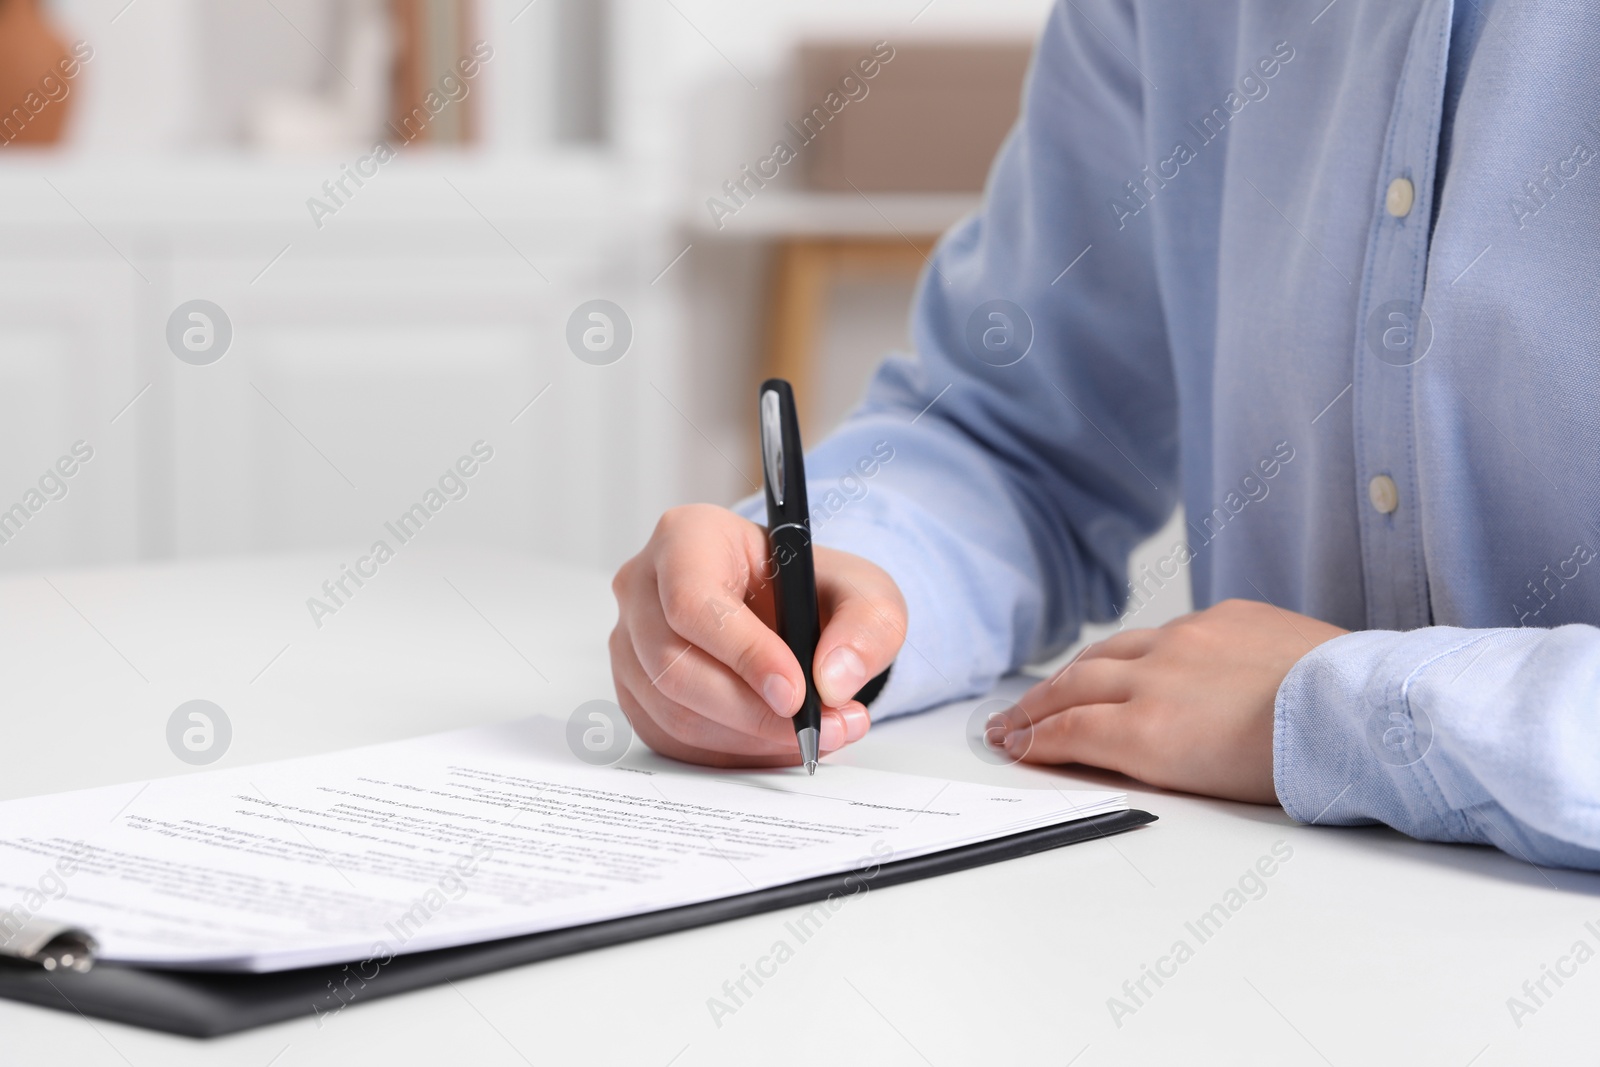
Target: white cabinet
[
  {"x": 66, "y": 371},
  {"x": 362, "y": 364}
]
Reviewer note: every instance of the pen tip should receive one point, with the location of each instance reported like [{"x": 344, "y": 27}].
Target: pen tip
[{"x": 808, "y": 737}]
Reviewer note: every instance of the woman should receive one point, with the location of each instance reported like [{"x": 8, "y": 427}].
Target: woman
[{"x": 1324, "y": 274}]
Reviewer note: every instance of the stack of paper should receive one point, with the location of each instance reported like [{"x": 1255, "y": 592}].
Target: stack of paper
[{"x": 457, "y": 838}]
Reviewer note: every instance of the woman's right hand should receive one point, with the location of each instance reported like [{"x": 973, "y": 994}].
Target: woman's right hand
[{"x": 699, "y": 670}]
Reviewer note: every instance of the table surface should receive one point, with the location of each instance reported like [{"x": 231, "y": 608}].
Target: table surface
[{"x": 1362, "y": 947}]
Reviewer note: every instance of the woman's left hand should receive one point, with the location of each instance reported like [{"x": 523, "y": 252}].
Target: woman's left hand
[{"x": 1187, "y": 706}]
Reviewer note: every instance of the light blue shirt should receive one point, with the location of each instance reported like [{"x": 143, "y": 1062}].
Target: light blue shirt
[{"x": 1212, "y": 231}]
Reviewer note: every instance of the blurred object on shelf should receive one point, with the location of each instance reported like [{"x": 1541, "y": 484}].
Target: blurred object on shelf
[
  {"x": 582, "y": 72},
  {"x": 431, "y": 101},
  {"x": 929, "y": 118},
  {"x": 914, "y": 122},
  {"x": 350, "y": 110},
  {"x": 804, "y": 276},
  {"x": 35, "y": 86}
]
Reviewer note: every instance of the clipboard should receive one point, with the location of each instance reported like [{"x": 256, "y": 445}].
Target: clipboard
[{"x": 210, "y": 1004}]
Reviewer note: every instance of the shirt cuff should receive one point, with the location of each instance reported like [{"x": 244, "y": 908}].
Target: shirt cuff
[{"x": 1349, "y": 744}]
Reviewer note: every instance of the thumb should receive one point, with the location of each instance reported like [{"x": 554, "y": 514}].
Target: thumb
[{"x": 864, "y": 624}]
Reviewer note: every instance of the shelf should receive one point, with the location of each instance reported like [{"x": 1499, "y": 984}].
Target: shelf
[
  {"x": 177, "y": 196},
  {"x": 772, "y": 213}
]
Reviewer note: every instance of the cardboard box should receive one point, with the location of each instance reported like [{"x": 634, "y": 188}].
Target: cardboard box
[{"x": 930, "y": 120}]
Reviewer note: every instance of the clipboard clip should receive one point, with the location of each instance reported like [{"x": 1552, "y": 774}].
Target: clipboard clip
[{"x": 45, "y": 943}]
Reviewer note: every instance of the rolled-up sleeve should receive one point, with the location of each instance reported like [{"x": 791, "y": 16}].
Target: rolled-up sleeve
[{"x": 1484, "y": 736}]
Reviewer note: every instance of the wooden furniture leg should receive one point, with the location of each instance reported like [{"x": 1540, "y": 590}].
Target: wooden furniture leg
[{"x": 804, "y": 270}]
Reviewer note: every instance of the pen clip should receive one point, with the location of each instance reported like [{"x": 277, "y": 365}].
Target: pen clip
[
  {"x": 772, "y": 443},
  {"x": 45, "y": 943}
]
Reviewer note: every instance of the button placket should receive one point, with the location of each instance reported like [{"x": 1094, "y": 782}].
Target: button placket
[{"x": 1390, "y": 311}]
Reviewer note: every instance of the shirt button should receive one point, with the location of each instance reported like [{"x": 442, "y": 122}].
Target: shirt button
[
  {"x": 1383, "y": 493},
  {"x": 1399, "y": 198}
]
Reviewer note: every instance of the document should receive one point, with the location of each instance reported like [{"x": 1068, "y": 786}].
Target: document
[{"x": 467, "y": 836}]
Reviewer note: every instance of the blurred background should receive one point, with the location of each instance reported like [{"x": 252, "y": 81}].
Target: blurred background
[{"x": 397, "y": 215}]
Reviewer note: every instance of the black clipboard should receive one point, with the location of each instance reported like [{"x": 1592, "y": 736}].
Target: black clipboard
[{"x": 209, "y": 1004}]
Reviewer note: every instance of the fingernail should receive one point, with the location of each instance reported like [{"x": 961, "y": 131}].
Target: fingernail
[
  {"x": 832, "y": 732},
  {"x": 857, "y": 721},
  {"x": 778, "y": 693},
  {"x": 843, "y": 675}
]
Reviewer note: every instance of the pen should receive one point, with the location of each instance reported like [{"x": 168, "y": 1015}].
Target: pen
[{"x": 794, "y": 589}]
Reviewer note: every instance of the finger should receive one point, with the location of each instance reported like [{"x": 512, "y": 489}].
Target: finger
[
  {"x": 660, "y": 741},
  {"x": 1126, "y": 644},
  {"x": 685, "y": 727},
  {"x": 689, "y": 677},
  {"x": 1100, "y": 735},
  {"x": 702, "y": 584},
  {"x": 1083, "y": 682},
  {"x": 864, "y": 625},
  {"x": 857, "y": 721},
  {"x": 690, "y": 735}
]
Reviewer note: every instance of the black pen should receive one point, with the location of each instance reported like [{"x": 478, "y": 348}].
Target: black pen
[{"x": 794, "y": 589}]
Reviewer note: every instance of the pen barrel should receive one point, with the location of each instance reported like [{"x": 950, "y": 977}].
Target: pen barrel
[{"x": 794, "y": 594}]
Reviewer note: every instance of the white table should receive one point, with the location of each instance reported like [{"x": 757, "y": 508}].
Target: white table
[{"x": 1365, "y": 948}]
